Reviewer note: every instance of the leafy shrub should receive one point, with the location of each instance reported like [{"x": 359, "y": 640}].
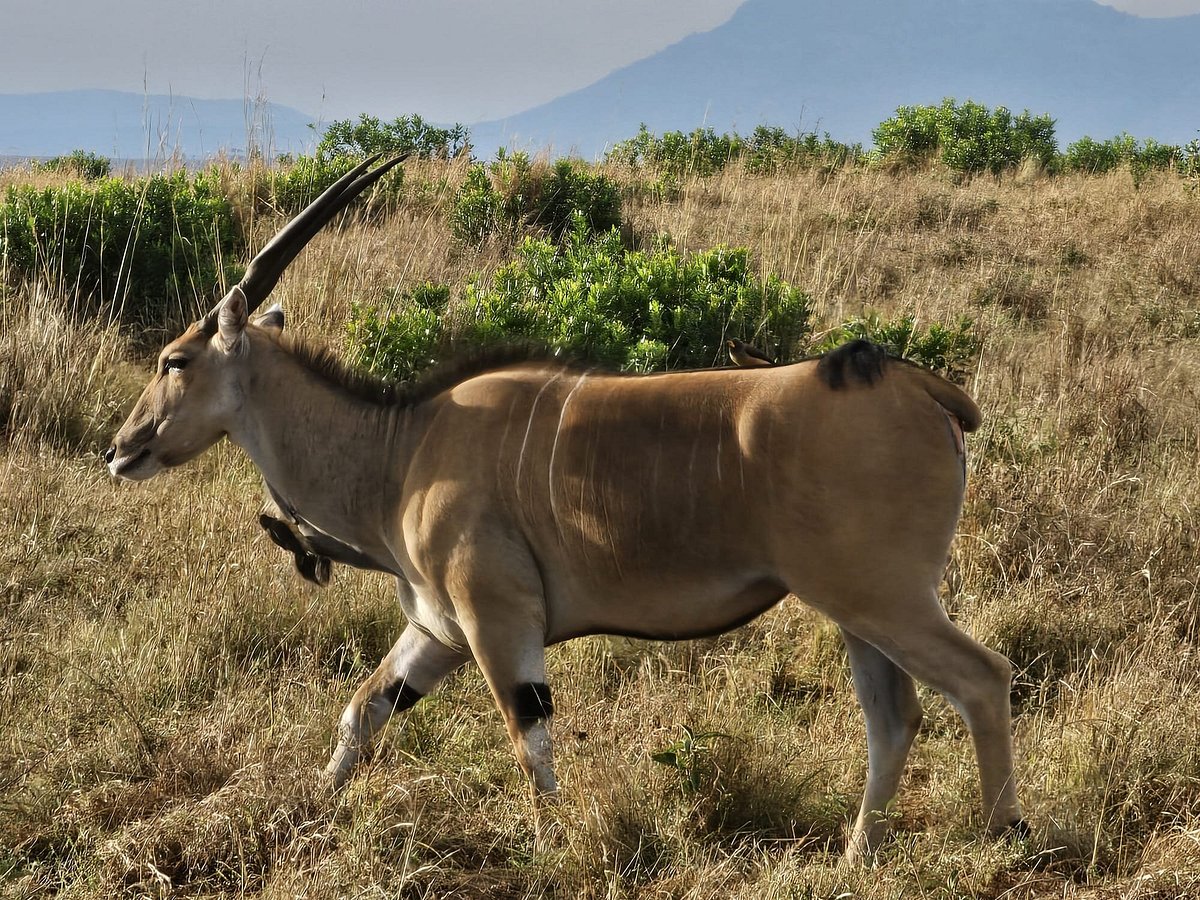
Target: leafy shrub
[
  {"x": 1189, "y": 163},
  {"x": 512, "y": 193},
  {"x": 404, "y": 344},
  {"x": 910, "y": 136},
  {"x": 517, "y": 184},
  {"x": 633, "y": 309},
  {"x": 572, "y": 189},
  {"x": 1096, "y": 157},
  {"x": 1091, "y": 157},
  {"x": 589, "y": 295},
  {"x": 80, "y": 163},
  {"x": 298, "y": 182},
  {"x": 295, "y": 184},
  {"x": 967, "y": 137},
  {"x": 1153, "y": 155},
  {"x": 945, "y": 349},
  {"x": 773, "y": 149},
  {"x": 404, "y": 135},
  {"x": 153, "y": 247},
  {"x": 476, "y": 211},
  {"x": 704, "y": 152}
]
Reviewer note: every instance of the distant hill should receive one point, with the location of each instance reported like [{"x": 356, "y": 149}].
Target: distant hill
[
  {"x": 135, "y": 126},
  {"x": 840, "y": 66},
  {"x": 843, "y": 66}
]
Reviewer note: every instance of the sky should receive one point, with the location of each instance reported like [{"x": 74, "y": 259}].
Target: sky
[{"x": 447, "y": 60}]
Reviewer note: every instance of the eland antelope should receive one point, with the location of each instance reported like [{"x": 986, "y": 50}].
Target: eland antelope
[{"x": 524, "y": 503}]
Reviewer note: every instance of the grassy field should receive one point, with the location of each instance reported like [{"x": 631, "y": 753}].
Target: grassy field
[{"x": 169, "y": 688}]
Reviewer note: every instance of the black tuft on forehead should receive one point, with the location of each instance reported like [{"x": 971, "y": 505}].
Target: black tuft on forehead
[{"x": 206, "y": 326}]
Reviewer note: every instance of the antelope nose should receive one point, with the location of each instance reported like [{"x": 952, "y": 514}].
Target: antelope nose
[{"x": 110, "y": 453}]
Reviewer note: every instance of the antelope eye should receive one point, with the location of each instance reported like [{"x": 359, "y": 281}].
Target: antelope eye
[{"x": 175, "y": 364}]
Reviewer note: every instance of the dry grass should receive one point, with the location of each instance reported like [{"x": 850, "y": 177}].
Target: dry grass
[{"x": 168, "y": 688}]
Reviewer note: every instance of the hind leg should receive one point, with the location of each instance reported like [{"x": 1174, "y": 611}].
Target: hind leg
[
  {"x": 925, "y": 643},
  {"x": 889, "y": 701}
]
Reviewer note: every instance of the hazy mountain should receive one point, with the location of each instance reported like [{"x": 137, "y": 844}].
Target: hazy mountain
[
  {"x": 843, "y": 66},
  {"x": 840, "y": 66},
  {"x": 136, "y": 126}
]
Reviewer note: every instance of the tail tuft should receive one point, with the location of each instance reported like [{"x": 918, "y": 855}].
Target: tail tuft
[{"x": 858, "y": 361}]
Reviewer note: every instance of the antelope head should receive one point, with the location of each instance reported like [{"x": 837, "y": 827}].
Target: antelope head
[{"x": 194, "y": 396}]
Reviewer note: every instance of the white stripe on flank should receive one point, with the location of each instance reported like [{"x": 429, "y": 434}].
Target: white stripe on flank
[
  {"x": 554, "y": 448},
  {"x": 529, "y": 427},
  {"x": 719, "y": 436}
]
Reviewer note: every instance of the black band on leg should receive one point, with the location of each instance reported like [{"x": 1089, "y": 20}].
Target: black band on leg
[
  {"x": 400, "y": 696},
  {"x": 533, "y": 703}
]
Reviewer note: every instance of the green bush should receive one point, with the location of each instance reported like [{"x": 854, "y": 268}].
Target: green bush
[
  {"x": 911, "y": 136},
  {"x": 518, "y": 185},
  {"x": 152, "y": 247},
  {"x": 1153, "y": 155},
  {"x": 949, "y": 350},
  {"x": 476, "y": 211},
  {"x": 296, "y": 183},
  {"x": 704, "y": 152},
  {"x": 1096, "y": 157},
  {"x": 80, "y": 163},
  {"x": 1189, "y": 163},
  {"x": 966, "y": 138},
  {"x": 410, "y": 135},
  {"x": 590, "y": 296},
  {"x": 572, "y": 189},
  {"x": 1090, "y": 156},
  {"x": 773, "y": 149},
  {"x": 404, "y": 344},
  {"x": 512, "y": 193}
]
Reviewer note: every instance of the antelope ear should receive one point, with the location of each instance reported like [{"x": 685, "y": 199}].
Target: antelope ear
[
  {"x": 271, "y": 320},
  {"x": 231, "y": 320}
]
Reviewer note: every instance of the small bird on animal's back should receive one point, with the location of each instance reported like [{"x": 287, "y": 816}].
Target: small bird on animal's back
[{"x": 746, "y": 355}]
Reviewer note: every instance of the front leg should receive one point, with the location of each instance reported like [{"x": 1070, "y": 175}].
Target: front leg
[
  {"x": 412, "y": 668},
  {"x": 516, "y": 675},
  {"x": 500, "y": 607},
  {"x": 514, "y": 665}
]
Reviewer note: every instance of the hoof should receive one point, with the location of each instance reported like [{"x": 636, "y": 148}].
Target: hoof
[{"x": 1018, "y": 829}]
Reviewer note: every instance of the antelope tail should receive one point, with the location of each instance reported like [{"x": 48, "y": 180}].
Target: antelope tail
[
  {"x": 863, "y": 362},
  {"x": 952, "y": 399}
]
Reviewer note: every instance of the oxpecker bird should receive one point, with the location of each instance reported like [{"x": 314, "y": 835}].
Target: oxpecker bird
[{"x": 747, "y": 355}]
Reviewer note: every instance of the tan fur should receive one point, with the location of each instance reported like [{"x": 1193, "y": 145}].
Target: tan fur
[{"x": 536, "y": 502}]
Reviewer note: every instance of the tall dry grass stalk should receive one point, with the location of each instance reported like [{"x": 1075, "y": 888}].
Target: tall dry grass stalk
[
  {"x": 63, "y": 377},
  {"x": 168, "y": 688}
]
